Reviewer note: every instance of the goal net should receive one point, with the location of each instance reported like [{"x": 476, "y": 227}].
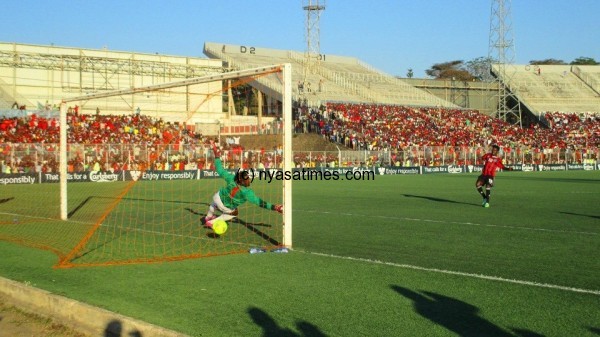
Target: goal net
[{"x": 133, "y": 188}]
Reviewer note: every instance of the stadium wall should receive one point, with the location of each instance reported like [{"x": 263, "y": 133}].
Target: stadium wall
[{"x": 480, "y": 96}]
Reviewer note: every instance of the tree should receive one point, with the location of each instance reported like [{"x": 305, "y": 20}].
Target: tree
[
  {"x": 480, "y": 68},
  {"x": 449, "y": 70},
  {"x": 585, "y": 61},
  {"x": 547, "y": 62},
  {"x": 409, "y": 74}
]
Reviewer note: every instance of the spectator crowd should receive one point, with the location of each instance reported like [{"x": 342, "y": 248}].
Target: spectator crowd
[
  {"x": 378, "y": 127},
  {"x": 119, "y": 142}
]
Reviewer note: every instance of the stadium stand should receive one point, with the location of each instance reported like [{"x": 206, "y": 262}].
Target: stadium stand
[
  {"x": 117, "y": 142},
  {"x": 38, "y": 75},
  {"x": 553, "y": 87},
  {"x": 338, "y": 78},
  {"x": 346, "y": 103},
  {"x": 590, "y": 75},
  {"x": 385, "y": 127}
]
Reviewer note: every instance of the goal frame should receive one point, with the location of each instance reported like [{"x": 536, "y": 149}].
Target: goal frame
[{"x": 286, "y": 99}]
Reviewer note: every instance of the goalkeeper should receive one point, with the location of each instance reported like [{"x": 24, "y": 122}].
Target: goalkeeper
[{"x": 236, "y": 192}]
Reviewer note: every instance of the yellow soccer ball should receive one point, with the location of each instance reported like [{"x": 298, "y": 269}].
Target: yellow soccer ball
[{"x": 219, "y": 227}]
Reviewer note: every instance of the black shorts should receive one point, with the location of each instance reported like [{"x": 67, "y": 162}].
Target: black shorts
[{"x": 487, "y": 180}]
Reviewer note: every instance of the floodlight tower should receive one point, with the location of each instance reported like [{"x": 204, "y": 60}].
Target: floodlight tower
[
  {"x": 502, "y": 50},
  {"x": 312, "y": 55}
]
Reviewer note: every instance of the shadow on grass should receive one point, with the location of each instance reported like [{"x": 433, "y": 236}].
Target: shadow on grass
[
  {"x": 272, "y": 329},
  {"x": 585, "y": 215},
  {"x": 250, "y": 226},
  {"x": 457, "y": 316},
  {"x": 90, "y": 198},
  {"x": 194, "y": 211},
  {"x": 6, "y": 200},
  {"x": 253, "y": 227},
  {"x": 114, "y": 328},
  {"x": 78, "y": 207},
  {"x": 595, "y": 330},
  {"x": 438, "y": 199}
]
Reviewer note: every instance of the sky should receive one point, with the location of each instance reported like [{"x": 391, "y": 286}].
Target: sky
[{"x": 390, "y": 35}]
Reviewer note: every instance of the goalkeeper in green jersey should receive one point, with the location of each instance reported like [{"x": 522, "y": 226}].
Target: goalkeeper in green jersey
[{"x": 236, "y": 192}]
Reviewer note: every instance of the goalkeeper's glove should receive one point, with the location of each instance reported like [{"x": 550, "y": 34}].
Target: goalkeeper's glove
[{"x": 278, "y": 208}]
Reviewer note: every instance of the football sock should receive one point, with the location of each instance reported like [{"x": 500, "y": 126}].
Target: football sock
[
  {"x": 480, "y": 190},
  {"x": 211, "y": 210},
  {"x": 224, "y": 217},
  {"x": 487, "y": 194}
]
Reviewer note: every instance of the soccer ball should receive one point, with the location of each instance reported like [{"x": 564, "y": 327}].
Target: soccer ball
[{"x": 219, "y": 227}]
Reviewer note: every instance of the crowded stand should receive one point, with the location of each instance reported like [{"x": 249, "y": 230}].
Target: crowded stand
[
  {"x": 379, "y": 127},
  {"x": 371, "y": 127},
  {"x": 391, "y": 135},
  {"x": 575, "y": 126},
  {"x": 102, "y": 143}
]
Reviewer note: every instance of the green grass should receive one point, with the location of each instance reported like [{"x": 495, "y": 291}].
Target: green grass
[
  {"x": 153, "y": 220},
  {"x": 368, "y": 260}
]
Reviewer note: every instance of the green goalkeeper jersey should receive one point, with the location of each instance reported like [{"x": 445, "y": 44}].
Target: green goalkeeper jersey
[{"x": 232, "y": 195}]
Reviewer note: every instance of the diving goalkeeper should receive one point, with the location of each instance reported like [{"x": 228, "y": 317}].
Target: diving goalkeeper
[{"x": 236, "y": 192}]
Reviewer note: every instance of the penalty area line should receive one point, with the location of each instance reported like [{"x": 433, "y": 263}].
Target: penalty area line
[{"x": 458, "y": 273}]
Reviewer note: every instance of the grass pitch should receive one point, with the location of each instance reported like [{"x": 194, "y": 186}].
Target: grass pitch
[{"x": 397, "y": 256}]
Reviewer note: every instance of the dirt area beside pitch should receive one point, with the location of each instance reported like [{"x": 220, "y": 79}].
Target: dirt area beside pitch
[{"x": 15, "y": 322}]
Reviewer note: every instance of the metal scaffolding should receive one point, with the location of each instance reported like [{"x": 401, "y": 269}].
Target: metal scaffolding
[
  {"x": 103, "y": 65},
  {"x": 502, "y": 51},
  {"x": 312, "y": 55}
]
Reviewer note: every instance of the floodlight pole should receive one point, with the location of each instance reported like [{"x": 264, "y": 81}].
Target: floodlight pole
[
  {"x": 312, "y": 56},
  {"x": 502, "y": 49}
]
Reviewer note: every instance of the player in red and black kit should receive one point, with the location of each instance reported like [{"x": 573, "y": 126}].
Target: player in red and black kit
[{"x": 492, "y": 162}]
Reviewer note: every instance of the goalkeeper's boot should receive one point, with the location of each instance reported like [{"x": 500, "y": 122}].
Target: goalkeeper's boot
[{"x": 207, "y": 221}]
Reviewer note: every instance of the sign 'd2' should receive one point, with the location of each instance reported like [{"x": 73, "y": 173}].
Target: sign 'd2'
[{"x": 250, "y": 50}]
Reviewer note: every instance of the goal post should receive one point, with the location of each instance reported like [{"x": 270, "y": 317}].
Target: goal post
[
  {"x": 288, "y": 163},
  {"x": 116, "y": 225}
]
